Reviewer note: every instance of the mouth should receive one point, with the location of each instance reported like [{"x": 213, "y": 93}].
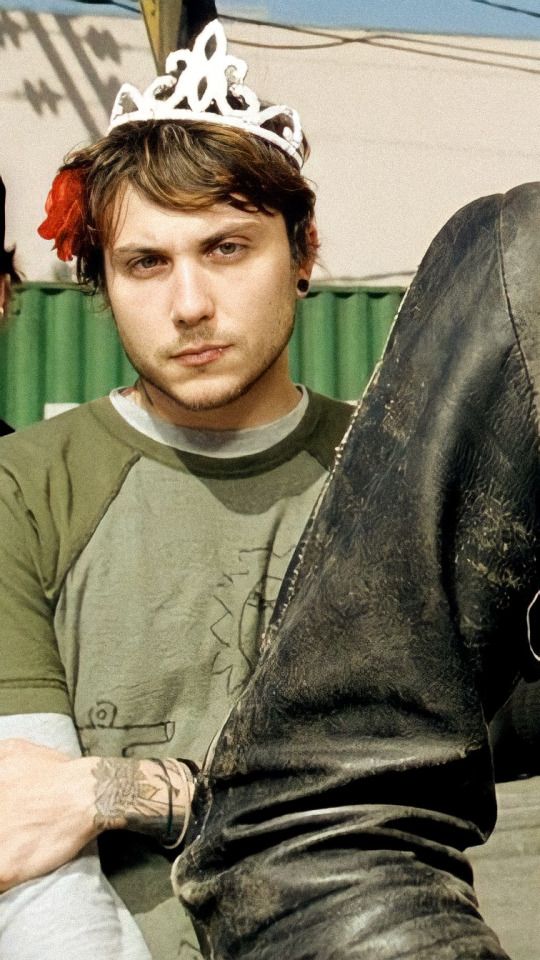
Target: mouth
[{"x": 200, "y": 355}]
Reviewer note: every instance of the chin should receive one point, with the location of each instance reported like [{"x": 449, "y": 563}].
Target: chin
[{"x": 210, "y": 397}]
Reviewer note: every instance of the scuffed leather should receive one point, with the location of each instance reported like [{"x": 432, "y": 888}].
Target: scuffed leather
[{"x": 355, "y": 768}]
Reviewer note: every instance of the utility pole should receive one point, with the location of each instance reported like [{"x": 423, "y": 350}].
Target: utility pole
[{"x": 174, "y": 24}]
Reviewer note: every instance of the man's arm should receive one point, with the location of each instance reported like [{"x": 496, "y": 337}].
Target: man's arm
[
  {"x": 51, "y": 806},
  {"x": 34, "y": 920}
]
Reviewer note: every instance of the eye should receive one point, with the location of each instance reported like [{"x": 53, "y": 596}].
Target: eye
[
  {"x": 229, "y": 249},
  {"x": 148, "y": 262}
]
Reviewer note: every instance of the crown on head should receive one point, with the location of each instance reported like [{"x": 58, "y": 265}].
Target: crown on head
[{"x": 208, "y": 86}]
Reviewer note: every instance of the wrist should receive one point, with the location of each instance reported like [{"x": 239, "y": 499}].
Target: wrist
[
  {"x": 78, "y": 794},
  {"x": 149, "y": 796},
  {"x": 179, "y": 781}
]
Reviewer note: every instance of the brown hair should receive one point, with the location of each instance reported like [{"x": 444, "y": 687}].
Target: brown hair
[{"x": 188, "y": 166}]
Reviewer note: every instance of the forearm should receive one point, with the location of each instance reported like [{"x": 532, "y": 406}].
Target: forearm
[
  {"x": 33, "y": 917},
  {"x": 52, "y": 806}
]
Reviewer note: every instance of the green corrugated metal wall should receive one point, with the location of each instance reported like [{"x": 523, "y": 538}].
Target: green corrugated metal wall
[{"x": 61, "y": 346}]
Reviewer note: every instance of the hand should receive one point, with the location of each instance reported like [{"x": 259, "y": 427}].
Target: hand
[
  {"x": 51, "y": 806},
  {"x": 46, "y": 810}
]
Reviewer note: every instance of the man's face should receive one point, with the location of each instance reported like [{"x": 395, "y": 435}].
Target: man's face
[{"x": 204, "y": 304}]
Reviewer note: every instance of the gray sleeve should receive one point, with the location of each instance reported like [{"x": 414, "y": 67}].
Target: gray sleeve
[{"x": 73, "y": 911}]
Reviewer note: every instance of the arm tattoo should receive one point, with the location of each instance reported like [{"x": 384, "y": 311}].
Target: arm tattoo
[{"x": 146, "y": 796}]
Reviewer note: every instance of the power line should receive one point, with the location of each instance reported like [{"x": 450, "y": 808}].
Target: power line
[
  {"x": 446, "y": 56},
  {"x": 371, "y": 41},
  {"x": 337, "y": 36},
  {"x": 374, "y": 39},
  {"x": 506, "y": 6},
  {"x": 131, "y": 5},
  {"x": 462, "y": 46},
  {"x": 291, "y": 46},
  {"x": 291, "y": 27}
]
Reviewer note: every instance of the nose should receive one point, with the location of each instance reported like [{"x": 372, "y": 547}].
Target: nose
[{"x": 191, "y": 296}]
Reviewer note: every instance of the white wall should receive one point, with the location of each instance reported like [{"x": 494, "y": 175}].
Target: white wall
[{"x": 400, "y": 140}]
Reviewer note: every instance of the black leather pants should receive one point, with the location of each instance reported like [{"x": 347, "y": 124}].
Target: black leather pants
[{"x": 354, "y": 770}]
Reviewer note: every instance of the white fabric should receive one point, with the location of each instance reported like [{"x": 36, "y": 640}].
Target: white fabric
[
  {"x": 48, "y": 729},
  {"x": 72, "y": 913},
  {"x": 210, "y": 443}
]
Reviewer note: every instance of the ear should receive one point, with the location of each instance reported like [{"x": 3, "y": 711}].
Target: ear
[
  {"x": 305, "y": 268},
  {"x": 313, "y": 246}
]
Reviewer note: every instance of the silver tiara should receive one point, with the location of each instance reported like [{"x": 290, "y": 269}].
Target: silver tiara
[{"x": 198, "y": 84}]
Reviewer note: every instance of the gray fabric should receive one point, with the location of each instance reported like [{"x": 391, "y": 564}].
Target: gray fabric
[{"x": 159, "y": 618}]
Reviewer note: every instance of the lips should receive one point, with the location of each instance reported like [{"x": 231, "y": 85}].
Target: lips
[{"x": 200, "y": 356}]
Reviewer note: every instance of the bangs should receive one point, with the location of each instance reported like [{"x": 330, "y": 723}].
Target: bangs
[{"x": 188, "y": 166}]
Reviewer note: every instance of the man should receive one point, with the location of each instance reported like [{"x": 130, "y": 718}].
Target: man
[
  {"x": 145, "y": 535},
  {"x": 335, "y": 807}
]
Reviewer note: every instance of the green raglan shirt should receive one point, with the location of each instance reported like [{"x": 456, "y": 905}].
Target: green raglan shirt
[{"x": 135, "y": 583}]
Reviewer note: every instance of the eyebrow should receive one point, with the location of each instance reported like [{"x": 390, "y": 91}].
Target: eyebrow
[
  {"x": 233, "y": 226},
  {"x": 134, "y": 248}
]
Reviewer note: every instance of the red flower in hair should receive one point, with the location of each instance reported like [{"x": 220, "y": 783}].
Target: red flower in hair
[{"x": 65, "y": 212}]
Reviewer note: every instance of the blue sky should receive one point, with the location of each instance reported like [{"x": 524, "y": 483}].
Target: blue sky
[
  {"x": 429, "y": 16},
  {"x": 439, "y": 16}
]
